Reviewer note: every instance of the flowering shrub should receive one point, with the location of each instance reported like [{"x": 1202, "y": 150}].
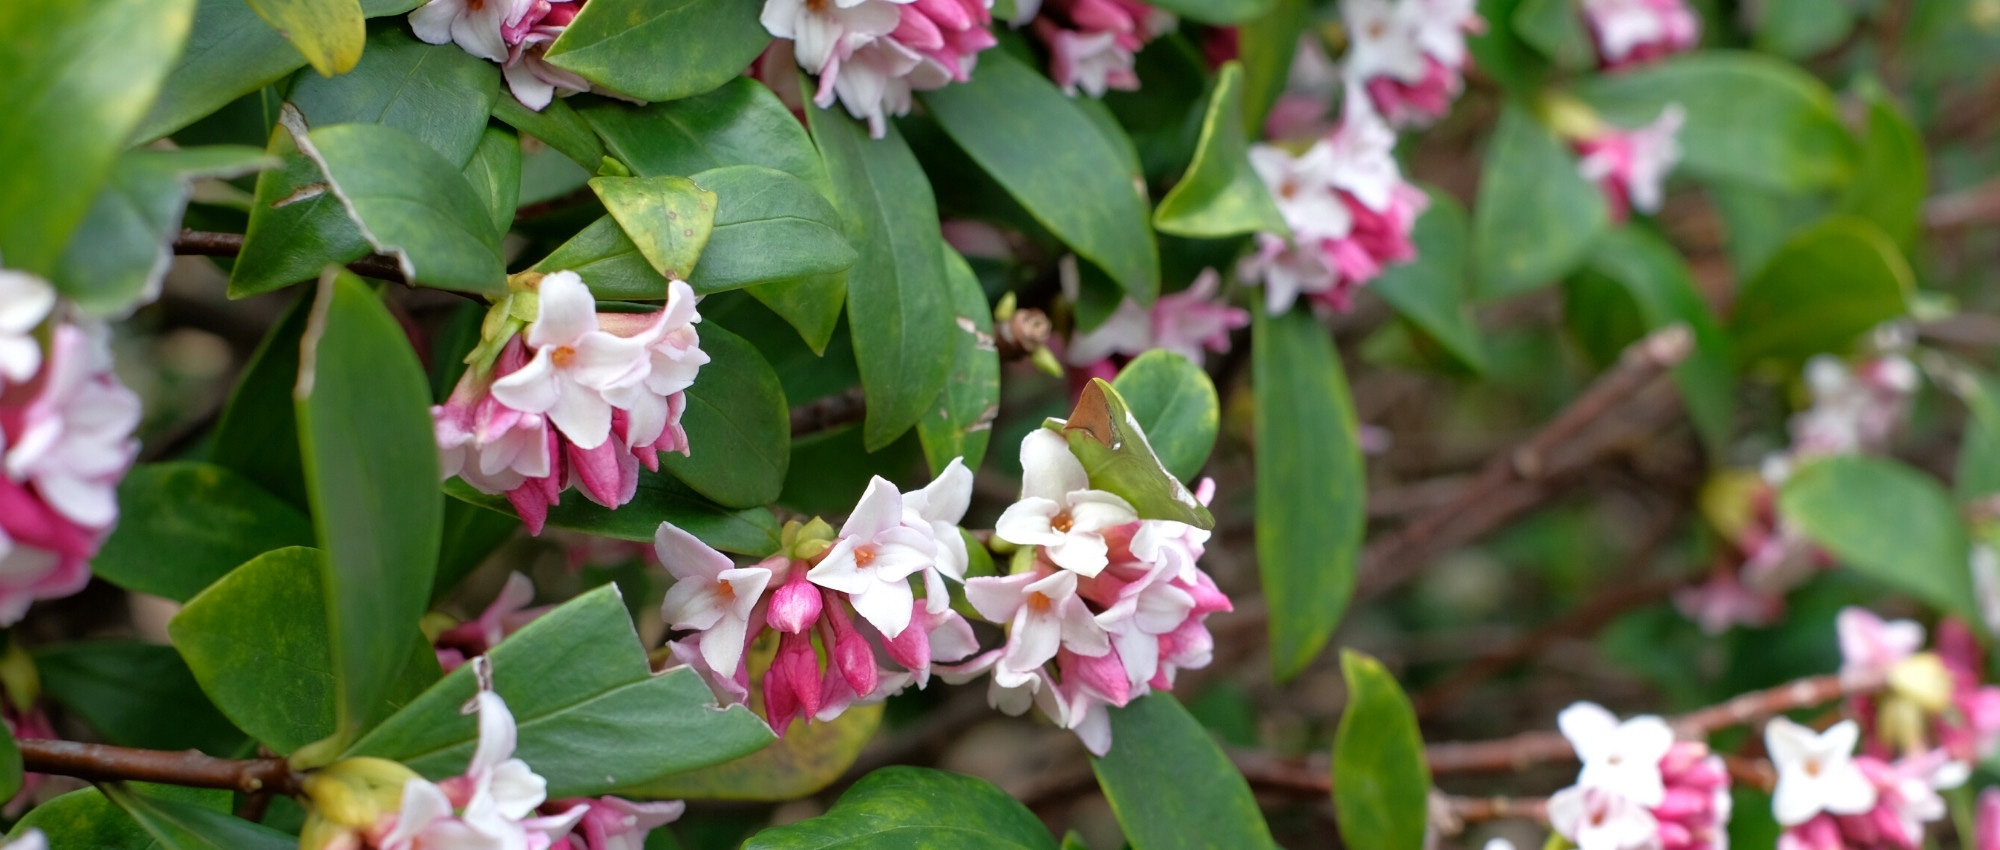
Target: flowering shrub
[{"x": 626, "y": 424}]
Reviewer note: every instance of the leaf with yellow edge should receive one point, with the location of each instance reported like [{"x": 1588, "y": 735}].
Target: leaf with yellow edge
[
  {"x": 1220, "y": 195},
  {"x": 329, "y": 33},
  {"x": 668, "y": 218}
]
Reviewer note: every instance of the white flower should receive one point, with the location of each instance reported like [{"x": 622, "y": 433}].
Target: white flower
[
  {"x": 1382, "y": 41},
  {"x": 1816, "y": 771},
  {"x": 75, "y": 441},
  {"x": 574, "y": 363},
  {"x": 873, "y": 83},
  {"x": 1598, "y": 819},
  {"x": 1623, "y": 26},
  {"x": 1043, "y": 614},
  {"x": 1360, "y": 156},
  {"x": 710, "y": 594},
  {"x": 501, "y": 793},
  {"x": 673, "y": 358},
  {"x": 1622, "y": 758},
  {"x": 826, "y": 33},
  {"x": 939, "y": 507},
  {"x": 1303, "y": 187},
  {"x": 1439, "y": 27},
  {"x": 876, "y": 555},
  {"x": 1058, "y": 511},
  {"x": 1869, "y": 646},
  {"x": 474, "y": 24},
  {"x": 25, "y": 301}
]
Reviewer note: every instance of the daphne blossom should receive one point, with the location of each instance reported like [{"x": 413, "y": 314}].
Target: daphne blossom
[
  {"x": 1058, "y": 510},
  {"x": 1630, "y": 32},
  {"x": 1409, "y": 56},
  {"x": 611, "y": 823},
  {"x": 875, "y": 557},
  {"x": 1631, "y": 166},
  {"x": 710, "y": 594},
  {"x": 1816, "y": 771},
  {"x": 1620, "y": 757},
  {"x": 507, "y": 613},
  {"x": 1870, "y": 646},
  {"x": 871, "y": 54},
  {"x": 1639, "y": 789},
  {"x": 1092, "y": 43},
  {"x": 514, "y": 33},
  {"x": 25, "y": 302},
  {"x": 1189, "y": 323}
]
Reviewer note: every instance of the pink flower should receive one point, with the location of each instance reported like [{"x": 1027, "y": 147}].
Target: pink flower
[
  {"x": 1092, "y": 42},
  {"x": 875, "y": 557},
  {"x": 1723, "y": 601},
  {"x": 1853, "y": 410},
  {"x": 1986, "y": 834},
  {"x": 1971, "y": 731},
  {"x": 1694, "y": 812},
  {"x": 1058, "y": 510},
  {"x": 1598, "y": 819},
  {"x": 1631, "y": 165},
  {"x": 475, "y": 25},
  {"x": 508, "y": 612},
  {"x": 1042, "y": 613},
  {"x": 533, "y": 81},
  {"x": 1870, "y": 646},
  {"x": 1188, "y": 323},
  {"x": 1409, "y": 55},
  {"x": 710, "y": 595},
  {"x": 611, "y": 823},
  {"x": 1632, "y": 32},
  {"x": 573, "y": 364},
  {"x": 493, "y": 447}
]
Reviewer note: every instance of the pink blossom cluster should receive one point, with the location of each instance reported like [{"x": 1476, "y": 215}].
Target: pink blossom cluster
[
  {"x": 1630, "y": 166},
  {"x": 1639, "y": 788},
  {"x": 1409, "y": 56},
  {"x": 1634, "y": 32},
  {"x": 1303, "y": 110},
  {"x": 514, "y": 33},
  {"x": 1959, "y": 715},
  {"x": 1109, "y": 608},
  {"x": 577, "y": 399},
  {"x": 871, "y": 54},
  {"x": 1349, "y": 210},
  {"x": 1189, "y": 323},
  {"x": 851, "y": 630},
  {"x": 65, "y": 442},
  {"x": 506, "y": 615},
  {"x": 1827, "y": 798},
  {"x": 1092, "y": 43}
]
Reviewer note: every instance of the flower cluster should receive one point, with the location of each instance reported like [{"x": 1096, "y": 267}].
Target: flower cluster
[
  {"x": 850, "y": 592},
  {"x": 1631, "y": 166},
  {"x": 1827, "y": 798},
  {"x": 514, "y": 33},
  {"x": 1187, "y": 323},
  {"x": 1107, "y": 608},
  {"x": 1348, "y": 207},
  {"x": 65, "y": 442},
  {"x": 1639, "y": 788},
  {"x": 578, "y": 398},
  {"x": 1092, "y": 43},
  {"x": 1409, "y": 56},
  {"x": 1934, "y": 702},
  {"x": 1633, "y": 32},
  {"x": 871, "y": 54}
]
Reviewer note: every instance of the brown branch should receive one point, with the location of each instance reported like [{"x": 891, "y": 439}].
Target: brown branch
[
  {"x": 830, "y": 412},
  {"x": 204, "y": 244},
  {"x": 1456, "y": 812},
  {"x": 101, "y": 763},
  {"x": 1970, "y": 207}
]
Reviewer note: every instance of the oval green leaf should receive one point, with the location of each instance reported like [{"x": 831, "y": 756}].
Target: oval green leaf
[
  {"x": 1381, "y": 783},
  {"x": 330, "y": 33},
  {"x": 660, "y": 49},
  {"x": 660, "y": 498},
  {"x": 436, "y": 92},
  {"x": 136, "y": 694},
  {"x": 1220, "y": 195},
  {"x": 1888, "y": 521},
  {"x": 1893, "y": 174},
  {"x": 1656, "y": 277},
  {"x": 412, "y": 204},
  {"x": 915, "y": 807},
  {"x": 1107, "y": 438},
  {"x": 1825, "y": 287},
  {"x": 1174, "y": 402},
  {"x": 185, "y": 826},
  {"x": 183, "y": 525},
  {"x": 1536, "y": 217},
  {"x": 1433, "y": 290},
  {"x": 738, "y": 426},
  {"x": 1171, "y": 786},
  {"x": 769, "y": 227},
  {"x": 962, "y": 424},
  {"x": 668, "y": 219}
]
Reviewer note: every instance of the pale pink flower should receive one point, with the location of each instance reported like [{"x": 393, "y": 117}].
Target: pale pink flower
[
  {"x": 1058, "y": 510},
  {"x": 1092, "y": 43},
  {"x": 1816, "y": 771},
  {"x": 1622, "y": 758},
  {"x": 1869, "y": 646},
  {"x": 475, "y": 25},
  {"x": 938, "y": 507},
  {"x": 25, "y": 302},
  {"x": 710, "y": 595},
  {"x": 532, "y": 80},
  {"x": 612, "y": 823},
  {"x": 491, "y": 446},
  {"x": 507, "y": 613},
  {"x": 1986, "y": 833},
  {"x": 1631, "y": 166},
  {"x": 72, "y": 440},
  {"x": 824, "y": 33},
  {"x": 1043, "y": 613},
  {"x": 875, "y": 557},
  {"x": 1853, "y": 410},
  {"x": 1409, "y": 55},
  {"x": 1598, "y": 819},
  {"x": 1723, "y": 601},
  {"x": 574, "y": 362},
  {"x": 674, "y": 358},
  {"x": 1630, "y": 32},
  {"x": 1189, "y": 323}
]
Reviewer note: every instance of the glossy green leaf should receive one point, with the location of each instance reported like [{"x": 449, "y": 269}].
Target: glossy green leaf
[
  {"x": 1758, "y": 221},
  {"x": 1536, "y": 218},
  {"x": 371, "y": 470},
  {"x": 1107, "y": 438},
  {"x": 1381, "y": 782},
  {"x": 184, "y": 826},
  {"x": 558, "y": 125},
  {"x": 1174, "y": 402},
  {"x": 1653, "y": 273},
  {"x": 592, "y": 716},
  {"x": 660, "y": 49},
  {"x": 329, "y": 33},
  {"x": 436, "y": 92},
  {"x": 411, "y": 204},
  {"x": 230, "y": 53},
  {"x": 899, "y": 314},
  {"x": 471, "y": 535},
  {"x": 962, "y": 424},
  {"x": 296, "y": 226},
  {"x": 1888, "y": 521},
  {"x": 1556, "y": 28},
  {"x": 1220, "y": 195},
  {"x": 122, "y": 249},
  {"x": 1978, "y": 468},
  {"x": 1311, "y": 487},
  {"x": 1750, "y": 118},
  {"x": 70, "y": 117},
  {"x": 84, "y": 818},
  {"x": 1892, "y": 176},
  {"x": 183, "y": 525},
  {"x": 1171, "y": 786},
  {"x": 608, "y": 262},
  {"x": 741, "y": 123},
  {"x": 494, "y": 172},
  {"x": 660, "y": 498},
  {"x": 915, "y": 807},
  {"x": 1266, "y": 46},
  {"x": 1433, "y": 291},
  {"x": 1501, "y": 53},
  {"x": 812, "y": 305},
  {"x": 1826, "y": 286},
  {"x": 738, "y": 425},
  {"x": 1051, "y": 158},
  {"x": 669, "y": 219},
  {"x": 135, "y": 694},
  {"x": 1800, "y": 28},
  {"x": 1218, "y": 11},
  {"x": 769, "y": 227},
  {"x": 807, "y": 759},
  {"x": 257, "y": 434}
]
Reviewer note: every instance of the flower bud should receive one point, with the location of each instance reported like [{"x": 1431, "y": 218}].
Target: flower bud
[
  {"x": 795, "y": 605},
  {"x": 349, "y": 797},
  {"x": 1922, "y": 679}
]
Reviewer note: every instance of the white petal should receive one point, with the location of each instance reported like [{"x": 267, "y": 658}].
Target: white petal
[
  {"x": 566, "y": 311},
  {"x": 880, "y": 508},
  {"x": 886, "y": 605},
  {"x": 1589, "y": 728},
  {"x": 1083, "y": 554},
  {"x": 945, "y": 499},
  {"x": 516, "y": 789},
  {"x": 692, "y": 603},
  {"x": 996, "y": 598},
  {"x": 496, "y": 734},
  {"x": 685, "y": 556},
  {"x": 582, "y": 415},
  {"x": 1096, "y": 510},
  {"x": 1026, "y": 522},
  {"x": 532, "y": 387},
  {"x": 722, "y": 646},
  {"x": 1048, "y": 469}
]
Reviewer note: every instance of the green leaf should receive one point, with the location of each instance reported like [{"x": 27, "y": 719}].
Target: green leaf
[
  {"x": 962, "y": 424},
  {"x": 257, "y": 434},
  {"x": 608, "y": 262},
  {"x": 1267, "y": 45},
  {"x": 738, "y": 426},
  {"x": 296, "y": 226},
  {"x": 10, "y": 765},
  {"x": 371, "y": 469},
  {"x": 1220, "y": 195},
  {"x": 122, "y": 249},
  {"x": 494, "y": 172},
  {"x": 558, "y": 125},
  {"x": 1758, "y": 221},
  {"x": 807, "y": 759},
  {"x": 1656, "y": 277},
  {"x": 741, "y": 123},
  {"x": 1892, "y": 176},
  {"x": 1174, "y": 402},
  {"x": 1051, "y": 158},
  {"x": 592, "y": 716},
  {"x": 1826, "y": 286},
  {"x": 915, "y": 807},
  {"x": 769, "y": 227},
  {"x": 668, "y": 219},
  {"x": 71, "y": 116},
  {"x": 184, "y": 826},
  {"x": 230, "y": 53},
  {"x": 1107, "y": 438},
  {"x": 1433, "y": 290},
  {"x": 1536, "y": 217},
  {"x": 660, "y": 498},
  {"x": 900, "y": 316},
  {"x": 436, "y": 92},
  {"x": 1500, "y": 51},
  {"x": 1750, "y": 119},
  {"x": 1797, "y": 29},
  {"x": 410, "y": 203},
  {"x": 1888, "y": 521},
  {"x": 1311, "y": 490},
  {"x": 1171, "y": 786},
  {"x": 471, "y": 534},
  {"x": 1978, "y": 469},
  {"x": 84, "y": 818},
  {"x": 1556, "y": 28},
  {"x": 1218, "y": 11},
  {"x": 1381, "y": 783},
  {"x": 660, "y": 49},
  {"x": 330, "y": 33},
  {"x": 135, "y": 694},
  {"x": 183, "y": 525}
]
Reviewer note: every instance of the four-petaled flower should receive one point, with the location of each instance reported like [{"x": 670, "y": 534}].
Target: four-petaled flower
[
  {"x": 574, "y": 363},
  {"x": 1816, "y": 771},
  {"x": 1043, "y": 614},
  {"x": 1622, "y": 758},
  {"x": 710, "y": 594},
  {"x": 877, "y": 553}
]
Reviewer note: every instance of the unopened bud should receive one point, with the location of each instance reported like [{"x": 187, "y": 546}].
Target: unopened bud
[
  {"x": 795, "y": 605},
  {"x": 1901, "y": 724},
  {"x": 1923, "y": 680}
]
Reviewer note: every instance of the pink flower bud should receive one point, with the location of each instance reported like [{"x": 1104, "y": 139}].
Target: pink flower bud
[
  {"x": 1986, "y": 834},
  {"x": 792, "y": 685},
  {"x": 1103, "y": 674},
  {"x": 795, "y": 604},
  {"x": 912, "y": 647},
  {"x": 852, "y": 655}
]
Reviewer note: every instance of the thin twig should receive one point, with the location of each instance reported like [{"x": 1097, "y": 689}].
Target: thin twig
[
  {"x": 206, "y": 244},
  {"x": 101, "y": 762}
]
